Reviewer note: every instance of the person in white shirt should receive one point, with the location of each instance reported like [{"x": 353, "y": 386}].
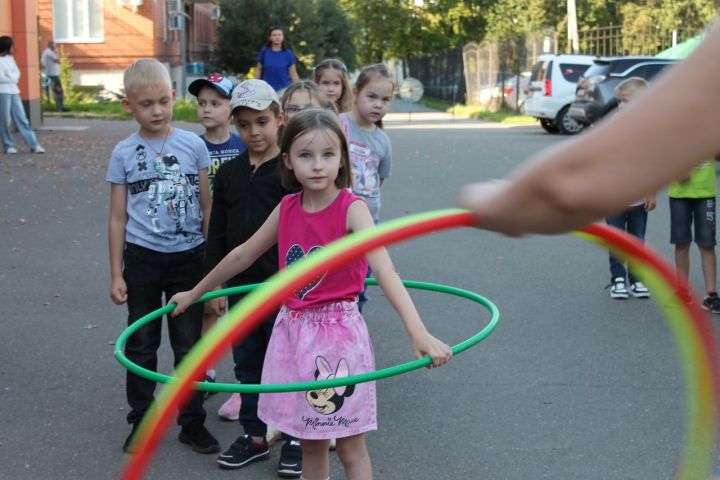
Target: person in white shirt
[
  {"x": 51, "y": 64},
  {"x": 11, "y": 107}
]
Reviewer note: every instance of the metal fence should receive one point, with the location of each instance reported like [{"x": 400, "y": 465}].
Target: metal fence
[
  {"x": 441, "y": 75},
  {"x": 611, "y": 40},
  {"x": 495, "y": 74}
]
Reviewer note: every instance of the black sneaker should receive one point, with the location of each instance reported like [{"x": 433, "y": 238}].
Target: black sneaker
[
  {"x": 290, "y": 465},
  {"x": 242, "y": 452},
  {"x": 712, "y": 303},
  {"x": 129, "y": 439},
  {"x": 197, "y": 436}
]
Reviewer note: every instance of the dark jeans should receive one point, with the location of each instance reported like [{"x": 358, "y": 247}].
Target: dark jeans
[
  {"x": 149, "y": 274},
  {"x": 249, "y": 356},
  {"x": 633, "y": 221},
  {"x": 57, "y": 89}
]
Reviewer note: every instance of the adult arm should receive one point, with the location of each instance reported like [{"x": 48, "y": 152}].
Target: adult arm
[
  {"x": 661, "y": 136},
  {"x": 359, "y": 218},
  {"x": 117, "y": 222},
  {"x": 258, "y": 71},
  {"x": 292, "y": 71},
  {"x": 10, "y": 74}
]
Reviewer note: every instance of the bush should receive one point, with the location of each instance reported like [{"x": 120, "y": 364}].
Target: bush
[{"x": 73, "y": 93}]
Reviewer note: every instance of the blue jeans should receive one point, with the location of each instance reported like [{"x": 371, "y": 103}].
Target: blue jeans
[
  {"x": 149, "y": 274},
  {"x": 249, "y": 356},
  {"x": 633, "y": 221},
  {"x": 11, "y": 108}
]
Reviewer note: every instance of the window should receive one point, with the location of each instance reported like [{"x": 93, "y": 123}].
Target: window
[
  {"x": 573, "y": 72},
  {"x": 78, "y": 21}
]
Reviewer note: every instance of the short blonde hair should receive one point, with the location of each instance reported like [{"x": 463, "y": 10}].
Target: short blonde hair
[
  {"x": 630, "y": 87},
  {"x": 145, "y": 72}
]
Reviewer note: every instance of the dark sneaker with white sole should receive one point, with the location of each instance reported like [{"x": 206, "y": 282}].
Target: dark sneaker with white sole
[
  {"x": 242, "y": 452},
  {"x": 197, "y": 436},
  {"x": 712, "y": 303},
  {"x": 290, "y": 465},
  {"x": 618, "y": 289},
  {"x": 639, "y": 290}
]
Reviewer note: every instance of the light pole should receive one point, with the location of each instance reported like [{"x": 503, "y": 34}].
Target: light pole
[{"x": 573, "y": 40}]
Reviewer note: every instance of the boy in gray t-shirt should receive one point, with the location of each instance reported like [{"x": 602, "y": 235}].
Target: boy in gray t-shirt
[{"x": 159, "y": 208}]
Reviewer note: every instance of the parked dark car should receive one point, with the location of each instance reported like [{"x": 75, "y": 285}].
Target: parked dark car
[{"x": 595, "y": 92}]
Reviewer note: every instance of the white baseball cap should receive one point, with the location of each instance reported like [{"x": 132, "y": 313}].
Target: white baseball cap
[{"x": 255, "y": 94}]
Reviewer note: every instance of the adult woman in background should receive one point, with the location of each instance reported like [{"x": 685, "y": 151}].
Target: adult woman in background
[
  {"x": 276, "y": 62},
  {"x": 11, "y": 106}
]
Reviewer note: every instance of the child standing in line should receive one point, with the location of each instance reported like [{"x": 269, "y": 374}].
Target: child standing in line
[
  {"x": 369, "y": 145},
  {"x": 331, "y": 77},
  {"x": 213, "y": 111},
  {"x": 159, "y": 205},
  {"x": 634, "y": 219},
  {"x": 247, "y": 190},
  {"x": 303, "y": 95},
  {"x": 692, "y": 202},
  {"x": 319, "y": 332}
]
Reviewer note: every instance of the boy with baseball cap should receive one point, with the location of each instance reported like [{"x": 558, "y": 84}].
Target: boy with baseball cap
[
  {"x": 247, "y": 190},
  {"x": 213, "y": 111}
]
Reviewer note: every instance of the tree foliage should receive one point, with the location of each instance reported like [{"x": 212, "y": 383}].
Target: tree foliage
[
  {"x": 314, "y": 29},
  {"x": 374, "y": 30}
]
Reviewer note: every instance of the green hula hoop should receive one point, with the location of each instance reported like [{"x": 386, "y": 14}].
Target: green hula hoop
[{"x": 314, "y": 385}]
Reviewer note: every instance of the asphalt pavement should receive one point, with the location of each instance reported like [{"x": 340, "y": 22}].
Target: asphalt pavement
[{"x": 571, "y": 384}]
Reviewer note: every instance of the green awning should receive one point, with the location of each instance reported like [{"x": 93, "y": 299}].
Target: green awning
[{"x": 681, "y": 50}]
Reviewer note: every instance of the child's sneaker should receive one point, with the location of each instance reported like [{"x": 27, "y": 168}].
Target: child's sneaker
[
  {"x": 290, "y": 465},
  {"x": 242, "y": 452},
  {"x": 618, "y": 290},
  {"x": 639, "y": 290},
  {"x": 11, "y": 151},
  {"x": 230, "y": 410},
  {"x": 712, "y": 303},
  {"x": 38, "y": 149}
]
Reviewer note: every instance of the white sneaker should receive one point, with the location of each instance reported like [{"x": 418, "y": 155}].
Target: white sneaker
[
  {"x": 38, "y": 149},
  {"x": 639, "y": 290},
  {"x": 618, "y": 290},
  {"x": 11, "y": 150}
]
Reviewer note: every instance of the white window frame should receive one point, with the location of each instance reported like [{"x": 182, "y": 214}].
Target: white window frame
[{"x": 86, "y": 38}]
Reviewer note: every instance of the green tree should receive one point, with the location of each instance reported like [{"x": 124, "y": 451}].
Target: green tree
[{"x": 315, "y": 29}]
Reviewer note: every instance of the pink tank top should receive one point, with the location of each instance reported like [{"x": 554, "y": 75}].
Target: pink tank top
[{"x": 301, "y": 233}]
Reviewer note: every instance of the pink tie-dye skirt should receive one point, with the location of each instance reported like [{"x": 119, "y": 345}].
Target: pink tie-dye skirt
[{"x": 320, "y": 343}]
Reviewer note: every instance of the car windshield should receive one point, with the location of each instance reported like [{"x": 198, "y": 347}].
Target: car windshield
[{"x": 572, "y": 72}]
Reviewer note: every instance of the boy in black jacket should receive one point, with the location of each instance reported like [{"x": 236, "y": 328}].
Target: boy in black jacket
[{"x": 246, "y": 191}]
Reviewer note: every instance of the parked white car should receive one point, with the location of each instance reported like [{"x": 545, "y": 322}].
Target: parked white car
[{"x": 553, "y": 79}]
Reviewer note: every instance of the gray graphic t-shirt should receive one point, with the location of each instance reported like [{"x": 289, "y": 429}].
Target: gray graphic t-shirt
[
  {"x": 163, "y": 189},
  {"x": 370, "y": 157}
]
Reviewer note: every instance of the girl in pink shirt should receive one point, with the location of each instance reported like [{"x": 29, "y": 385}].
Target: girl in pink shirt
[{"x": 319, "y": 333}]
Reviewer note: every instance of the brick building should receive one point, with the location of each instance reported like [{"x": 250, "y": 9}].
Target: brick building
[
  {"x": 102, "y": 37},
  {"x": 18, "y": 20}
]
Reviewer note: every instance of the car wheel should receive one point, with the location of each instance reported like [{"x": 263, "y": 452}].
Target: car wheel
[
  {"x": 566, "y": 124},
  {"x": 548, "y": 125}
]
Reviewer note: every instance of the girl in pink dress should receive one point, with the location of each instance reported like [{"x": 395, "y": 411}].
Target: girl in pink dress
[{"x": 319, "y": 333}]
